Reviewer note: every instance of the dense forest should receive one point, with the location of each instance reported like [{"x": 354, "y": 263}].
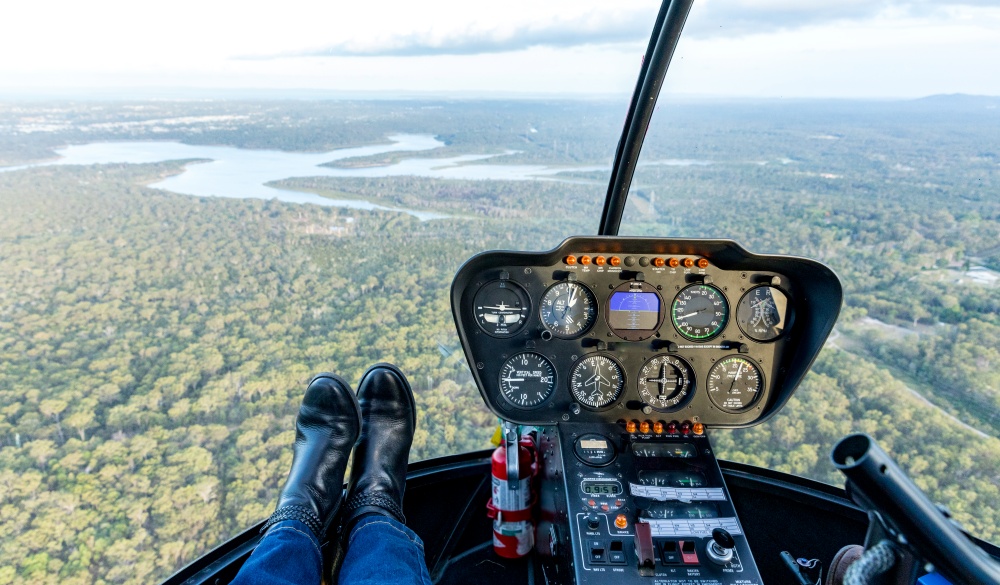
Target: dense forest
[{"x": 154, "y": 346}]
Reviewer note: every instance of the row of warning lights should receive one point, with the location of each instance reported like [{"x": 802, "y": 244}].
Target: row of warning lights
[
  {"x": 629, "y": 261},
  {"x": 659, "y": 427}
]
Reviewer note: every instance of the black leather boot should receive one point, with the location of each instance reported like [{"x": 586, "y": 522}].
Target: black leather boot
[
  {"x": 378, "y": 474},
  {"x": 326, "y": 430}
]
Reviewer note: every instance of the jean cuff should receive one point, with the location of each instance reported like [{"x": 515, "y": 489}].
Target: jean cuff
[{"x": 385, "y": 522}]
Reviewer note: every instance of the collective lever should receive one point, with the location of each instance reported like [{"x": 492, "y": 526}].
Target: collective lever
[{"x": 720, "y": 548}]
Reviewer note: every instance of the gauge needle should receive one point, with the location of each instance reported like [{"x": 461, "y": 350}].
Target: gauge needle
[
  {"x": 500, "y": 307},
  {"x": 572, "y": 298},
  {"x": 513, "y": 379},
  {"x": 739, "y": 372},
  {"x": 689, "y": 314}
]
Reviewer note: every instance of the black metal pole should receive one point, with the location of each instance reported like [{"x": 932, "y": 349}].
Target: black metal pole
[{"x": 666, "y": 32}]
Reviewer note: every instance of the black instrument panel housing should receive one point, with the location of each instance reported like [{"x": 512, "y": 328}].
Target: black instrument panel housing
[{"x": 815, "y": 297}]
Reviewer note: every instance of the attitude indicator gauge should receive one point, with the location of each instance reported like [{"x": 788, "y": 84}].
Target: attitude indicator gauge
[
  {"x": 597, "y": 381},
  {"x": 568, "y": 309},
  {"x": 763, "y": 313},
  {"x": 700, "y": 312},
  {"x": 501, "y": 308},
  {"x": 527, "y": 379},
  {"x": 666, "y": 382},
  {"x": 735, "y": 384}
]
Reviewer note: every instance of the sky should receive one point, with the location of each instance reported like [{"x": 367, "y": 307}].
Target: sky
[{"x": 730, "y": 48}]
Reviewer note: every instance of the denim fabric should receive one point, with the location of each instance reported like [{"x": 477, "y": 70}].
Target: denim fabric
[
  {"x": 380, "y": 550},
  {"x": 287, "y": 555}
]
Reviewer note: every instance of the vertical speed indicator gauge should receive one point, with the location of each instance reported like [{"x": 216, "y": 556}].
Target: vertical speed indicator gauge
[
  {"x": 735, "y": 383},
  {"x": 597, "y": 381},
  {"x": 527, "y": 379},
  {"x": 700, "y": 312},
  {"x": 501, "y": 308},
  {"x": 568, "y": 309}
]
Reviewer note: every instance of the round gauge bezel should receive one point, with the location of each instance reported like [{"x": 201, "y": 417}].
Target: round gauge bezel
[
  {"x": 635, "y": 334},
  {"x": 552, "y": 386},
  {"x": 717, "y": 332},
  {"x": 761, "y": 386},
  {"x": 593, "y": 315},
  {"x": 623, "y": 381},
  {"x": 525, "y": 310},
  {"x": 692, "y": 385},
  {"x": 789, "y": 313}
]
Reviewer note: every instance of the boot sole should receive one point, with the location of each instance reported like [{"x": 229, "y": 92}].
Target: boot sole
[{"x": 406, "y": 383}]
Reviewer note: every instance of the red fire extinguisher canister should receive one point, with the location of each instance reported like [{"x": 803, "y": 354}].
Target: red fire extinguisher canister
[{"x": 511, "y": 506}]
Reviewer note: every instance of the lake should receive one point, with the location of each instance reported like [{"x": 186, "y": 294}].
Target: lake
[{"x": 242, "y": 173}]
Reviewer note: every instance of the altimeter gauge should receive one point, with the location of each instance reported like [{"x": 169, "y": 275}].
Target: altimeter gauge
[
  {"x": 501, "y": 308},
  {"x": 527, "y": 379},
  {"x": 763, "y": 313},
  {"x": 700, "y": 312},
  {"x": 568, "y": 309},
  {"x": 597, "y": 381},
  {"x": 735, "y": 383},
  {"x": 666, "y": 382}
]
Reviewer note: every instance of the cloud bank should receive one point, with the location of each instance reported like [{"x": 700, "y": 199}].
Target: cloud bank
[{"x": 709, "y": 19}]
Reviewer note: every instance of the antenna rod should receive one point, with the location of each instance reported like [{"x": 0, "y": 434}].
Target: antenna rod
[{"x": 666, "y": 32}]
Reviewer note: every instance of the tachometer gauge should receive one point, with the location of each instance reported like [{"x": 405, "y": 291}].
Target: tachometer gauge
[
  {"x": 568, "y": 309},
  {"x": 735, "y": 383},
  {"x": 665, "y": 382},
  {"x": 763, "y": 313},
  {"x": 597, "y": 381},
  {"x": 527, "y": 379},
  {"x": 700, "y": 312},
  {"x": 501, "y": 308}
]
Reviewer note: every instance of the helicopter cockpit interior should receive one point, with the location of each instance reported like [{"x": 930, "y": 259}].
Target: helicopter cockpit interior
[{"x": 611, "y": 361}]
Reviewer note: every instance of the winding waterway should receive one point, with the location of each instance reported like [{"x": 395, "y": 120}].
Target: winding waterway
[{"x": 242, "y": 173}]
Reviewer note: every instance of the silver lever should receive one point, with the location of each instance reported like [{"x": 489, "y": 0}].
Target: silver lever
[{"x": 511, "y": 446}]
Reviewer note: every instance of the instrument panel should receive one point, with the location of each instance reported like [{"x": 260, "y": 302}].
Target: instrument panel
[{"x": 602, "y": 329}]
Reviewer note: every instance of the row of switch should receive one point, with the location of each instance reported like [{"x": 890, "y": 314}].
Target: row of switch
[
  {"x": 602, "y": 552},
  {"x": 678, "y": 552}
]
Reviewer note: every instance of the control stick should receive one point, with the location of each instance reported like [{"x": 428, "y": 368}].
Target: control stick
[{"x": 720, "y": 548}]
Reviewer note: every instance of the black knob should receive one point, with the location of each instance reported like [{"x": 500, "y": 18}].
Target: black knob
[
  {"x": 722, "y": 538},
  {"x": 594, "y": 522}
]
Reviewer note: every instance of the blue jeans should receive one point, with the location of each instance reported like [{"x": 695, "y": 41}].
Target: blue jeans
[{"x": 379, "y": 550}]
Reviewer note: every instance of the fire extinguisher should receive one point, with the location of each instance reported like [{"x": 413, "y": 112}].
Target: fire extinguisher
[{"x": 512, "y": 505}]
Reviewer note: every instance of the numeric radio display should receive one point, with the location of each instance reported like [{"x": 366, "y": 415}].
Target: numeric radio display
[{"x": 601, "y": 488}]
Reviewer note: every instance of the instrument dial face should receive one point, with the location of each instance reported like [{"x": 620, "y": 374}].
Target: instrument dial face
[
  {"x": 501, "y": 308},
  {"x": 763, "y": 313},
  {"x": 597, "y": 381},
  {"x": 700, "y": 312},
  {"x": 666, "y": 382},
  {"x": 735, "y": 384},
  {"x": 527, "y": 379},
  {"x": 568, "y": 309}
]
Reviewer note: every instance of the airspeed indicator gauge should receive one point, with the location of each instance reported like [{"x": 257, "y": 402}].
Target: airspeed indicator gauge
[
  {"x": 568, "y": 309},
  {"x": 501, "y": 308},
  {"x": 527, "y": 379},
  {"x": 700, "y": 312},
  {"x": 597, "y": 381},
  {"x": 735, "y": 383}
]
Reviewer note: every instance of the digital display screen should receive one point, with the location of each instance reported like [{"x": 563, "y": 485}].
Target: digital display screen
[
  {"x": 593, "y": 444},
  {"x": 634, "y": 310},
  {"x": 600, "y": 488}
]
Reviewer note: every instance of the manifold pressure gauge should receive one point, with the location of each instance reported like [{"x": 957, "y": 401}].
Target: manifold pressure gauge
[
  {"x": 735, "y": 383},
  {"x": 527, "y": 379},
  {"x": 597, "y": 381}
]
